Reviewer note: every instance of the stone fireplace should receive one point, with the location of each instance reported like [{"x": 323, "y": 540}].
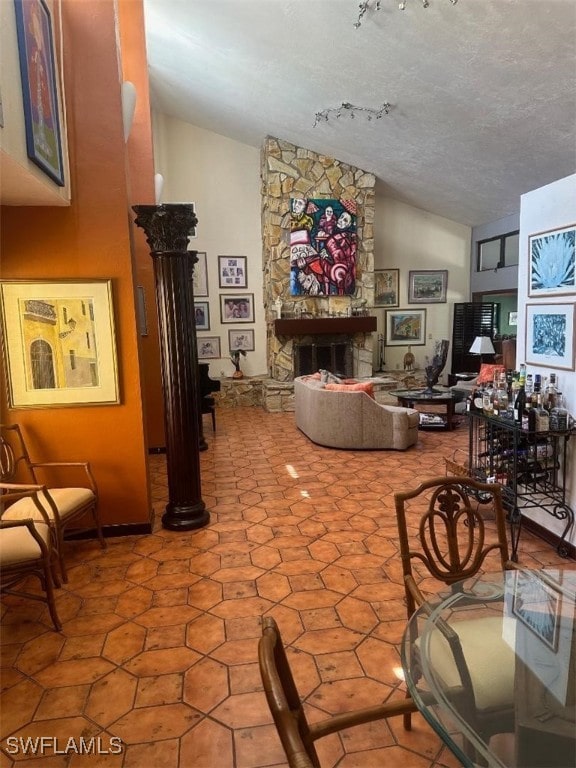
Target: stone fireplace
[
  {"x": 328, "y": 322},
  {"x": 333, "y": 353}
]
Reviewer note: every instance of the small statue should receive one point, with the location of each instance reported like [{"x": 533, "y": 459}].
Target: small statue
[
  {"x": 235, "y": 358},
  {"x": 409, "y": 360}
]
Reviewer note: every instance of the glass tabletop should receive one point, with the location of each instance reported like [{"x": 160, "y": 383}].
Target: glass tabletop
[
  {"x": 491, "y": 664},
  {"x": 423, "y": 394}
]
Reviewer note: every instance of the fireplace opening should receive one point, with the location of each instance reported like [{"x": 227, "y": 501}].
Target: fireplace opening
[{"x": 335, "y": 357}]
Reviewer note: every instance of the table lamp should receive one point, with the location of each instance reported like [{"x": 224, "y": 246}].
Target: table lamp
[{"x": 482, "y": 346}]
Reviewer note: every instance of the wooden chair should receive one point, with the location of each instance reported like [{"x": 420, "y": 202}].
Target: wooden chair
[
  {"x": 26, "y": 549},
  {"x": 65, "y": 505},
  {"x": 296, "y": 734},
  {"x": 451, "y": 545}
]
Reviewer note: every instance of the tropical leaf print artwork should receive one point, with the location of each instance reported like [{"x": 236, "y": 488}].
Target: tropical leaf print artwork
[{"x": 552, "y": 262}]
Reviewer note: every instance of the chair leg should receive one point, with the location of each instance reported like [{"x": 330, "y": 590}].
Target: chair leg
[
  {"x": 213, "y": 414},
  {"x": 50, "y": 596}
]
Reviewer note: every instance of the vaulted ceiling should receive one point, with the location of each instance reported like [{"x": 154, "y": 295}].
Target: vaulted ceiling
[{"x": 482, "y": 92}]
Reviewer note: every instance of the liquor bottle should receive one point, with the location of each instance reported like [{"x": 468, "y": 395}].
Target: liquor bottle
[
  {"x": 551, "y": 393},
  {"x": 559, "y": 415},
  {"x": 522, "y": 375},
  {"x": 529, "y": 389},
  {"x": 542, "y": 417},
  {"x": 537, "y": 389},
  {"x": 519, "y": 405}
]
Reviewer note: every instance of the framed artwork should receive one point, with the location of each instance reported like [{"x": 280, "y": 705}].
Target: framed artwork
[
  {"x": 209, "y": 348},
  {"x": 323, "y": 246},
  {"x": 550, "y": 335},
  {"x": 386, "y": 282},
  {"x": 241, "y": 339},
  {"x": 141, "y": 310},
  {"x": 39, "y": 92},
  {"x": 59, "y": 342},
  {"x": 232, "y": 272},
  {"x": 200, "y": 275},
  {"x": 237, "y": 308},
  {"x": 428, "y": 286},
  {"x": 512, "y": 318},
  {"x": 551, "y": 262},
  {"x": 405, "y": 326},
  {"x": 537, "y": 606},
  {"x": 202, "y": 315}
]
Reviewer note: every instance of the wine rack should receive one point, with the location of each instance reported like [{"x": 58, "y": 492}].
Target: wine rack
[{"x": 530, "y": 466}]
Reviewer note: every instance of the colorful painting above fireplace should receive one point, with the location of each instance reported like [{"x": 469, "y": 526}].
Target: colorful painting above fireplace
[{"x": 323, "y": 245}]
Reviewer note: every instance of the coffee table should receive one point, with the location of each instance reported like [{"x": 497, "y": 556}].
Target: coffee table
[{"x": 412, "y": 398}]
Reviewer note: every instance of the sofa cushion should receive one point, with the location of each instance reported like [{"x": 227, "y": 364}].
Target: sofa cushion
[{"x": 359, "y": 386}]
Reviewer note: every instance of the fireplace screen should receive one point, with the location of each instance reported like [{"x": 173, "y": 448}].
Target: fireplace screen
[{"x": 335, "y": 357}]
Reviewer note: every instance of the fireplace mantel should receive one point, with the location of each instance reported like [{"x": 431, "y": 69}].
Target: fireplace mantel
[{"x": 311, "y": 326}]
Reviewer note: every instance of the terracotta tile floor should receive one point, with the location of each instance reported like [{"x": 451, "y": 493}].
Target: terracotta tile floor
[{"x": 160, "y": 632}]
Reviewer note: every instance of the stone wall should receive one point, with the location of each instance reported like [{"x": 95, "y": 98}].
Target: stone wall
[{"x": 290, "y": 171}]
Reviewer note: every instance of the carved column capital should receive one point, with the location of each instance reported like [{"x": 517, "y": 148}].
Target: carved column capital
[{"x": 167, "y": 227}]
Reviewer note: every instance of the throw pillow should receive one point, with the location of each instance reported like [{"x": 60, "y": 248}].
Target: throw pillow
[
  {"x": 360, "y": 386},
  {"x": 487, "y": 372}
]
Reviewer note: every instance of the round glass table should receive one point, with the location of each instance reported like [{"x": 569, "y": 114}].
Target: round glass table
[{"x": 513, "y": 635}]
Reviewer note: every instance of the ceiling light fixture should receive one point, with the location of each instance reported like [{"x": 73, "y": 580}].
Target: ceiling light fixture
[
  {"x": 351, "y": 110},
  {"x": 376, "y": 5}
]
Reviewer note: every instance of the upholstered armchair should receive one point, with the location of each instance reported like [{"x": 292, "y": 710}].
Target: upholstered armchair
[
  {"x": 26, "y": 549},
  {"x": 66, "y": 502}
]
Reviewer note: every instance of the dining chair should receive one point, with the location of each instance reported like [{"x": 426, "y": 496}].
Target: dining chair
[
  {"x": 296, "y": 734},
  {"x": 451, "y": 544},
  {"x": 26, "y": 549},
  {"x": 64, "y": 504}
]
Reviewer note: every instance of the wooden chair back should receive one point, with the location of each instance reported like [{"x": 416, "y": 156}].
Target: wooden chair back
[
  {"x": 451, "y": 541},
  {"x": 296, "y": 734}
]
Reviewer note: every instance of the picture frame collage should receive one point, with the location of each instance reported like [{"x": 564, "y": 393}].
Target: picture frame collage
[
  {"x": 235, "y": 308},
  {"x": 408, "y": 326}
]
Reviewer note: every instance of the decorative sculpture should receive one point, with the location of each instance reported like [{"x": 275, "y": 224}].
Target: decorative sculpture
[
  {"x": 435, "y": 368},
  {"x": 235, "y": 357},
  {"x": 409, "y": 360}
]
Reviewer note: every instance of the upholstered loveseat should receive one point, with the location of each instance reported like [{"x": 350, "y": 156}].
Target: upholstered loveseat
[{"x": 351, "y": 419}]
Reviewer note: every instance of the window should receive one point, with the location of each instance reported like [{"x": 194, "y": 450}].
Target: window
[{"x": 498, "y": 252}]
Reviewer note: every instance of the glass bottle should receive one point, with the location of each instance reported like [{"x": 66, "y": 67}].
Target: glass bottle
[
  {"x": 542, "y": 417},
  {"x": 551, "y": 393},
  {"x": 488, "y": 400},
  {"x": 519, "y": 405},
  {"x": 559, "y": 415},
  {"x": 522, "y": 374}
]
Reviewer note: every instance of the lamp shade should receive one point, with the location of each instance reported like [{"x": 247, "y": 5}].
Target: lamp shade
[{"x": 482, "y": 346}]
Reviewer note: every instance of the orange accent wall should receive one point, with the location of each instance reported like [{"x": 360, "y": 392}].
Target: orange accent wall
[{"x": 90, "y": 239}]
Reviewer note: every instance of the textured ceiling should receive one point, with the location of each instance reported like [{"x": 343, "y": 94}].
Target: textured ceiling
[{"x": 482, "y": 93}]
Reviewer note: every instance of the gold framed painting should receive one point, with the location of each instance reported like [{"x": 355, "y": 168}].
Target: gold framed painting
[{"x": 59, "y": 344}]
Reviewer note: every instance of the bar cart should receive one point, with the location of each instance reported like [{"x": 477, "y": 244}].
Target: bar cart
[{"x": 530, "y": 466}]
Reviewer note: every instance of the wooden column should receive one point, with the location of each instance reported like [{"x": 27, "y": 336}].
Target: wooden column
[{"x": 167, "y": 229}]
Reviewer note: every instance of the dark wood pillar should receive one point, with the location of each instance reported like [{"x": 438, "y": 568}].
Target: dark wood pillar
[{"x": 167, "y": 228}]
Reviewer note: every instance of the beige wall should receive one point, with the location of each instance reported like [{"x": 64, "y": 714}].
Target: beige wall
[
  {"x": 409, "y": 238},
  {"x": 222, "y": 178}
]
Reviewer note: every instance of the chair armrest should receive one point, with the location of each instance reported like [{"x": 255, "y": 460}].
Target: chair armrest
[
  {"x": 85, "y": 465},
  {"x": 20, "y": 492},
  {"x": 28, "y": 523}
]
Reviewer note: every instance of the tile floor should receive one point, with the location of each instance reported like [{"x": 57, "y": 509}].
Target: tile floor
[{"x": 160, "y": 632}]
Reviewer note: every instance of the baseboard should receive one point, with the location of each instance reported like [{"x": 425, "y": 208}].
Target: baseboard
[
  {"x": 548, "y": 536},
  {"x": 109, "y": 531}
]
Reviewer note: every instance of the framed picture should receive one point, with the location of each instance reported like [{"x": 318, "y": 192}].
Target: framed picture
[
  {"x": 237, "y": 309},
  {"x": 208, "y": 347},
  {"x": 551, "y": 261},
  {"x": 59, "y": 342},
  {"x": 141, "y": 310},
  {"x": 537, "y": 605},
  {"x": 386, "y": 282},
  {"x": 202, "y": 315},
  {"x": 512, "y": 318},
  {"x": 427, "y": 287},
  {"x": 39, "y": 92},
  {"x": 232, "y": 272},
  {"x": 200, "y": 275},
  {"x": 241, "y": 339},
  {"x": 405, "y": 326},
  {"x": 550, "y": 335}
]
